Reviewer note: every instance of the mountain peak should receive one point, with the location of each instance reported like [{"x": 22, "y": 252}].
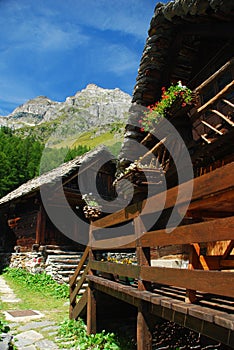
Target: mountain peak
[{"x": 92, "y": 107}]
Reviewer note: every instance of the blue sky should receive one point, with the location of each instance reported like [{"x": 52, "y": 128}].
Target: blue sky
[{"x": 56, "y": 47}]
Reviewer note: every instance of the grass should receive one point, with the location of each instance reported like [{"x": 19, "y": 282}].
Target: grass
[
  {"x": 50, "y": 305},
  {"x": 38, "y": 292}
]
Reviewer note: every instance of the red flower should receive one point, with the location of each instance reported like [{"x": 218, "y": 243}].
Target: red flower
[
  {"x": 142, "y": 129},
  {"x": 183, "y": 104}
]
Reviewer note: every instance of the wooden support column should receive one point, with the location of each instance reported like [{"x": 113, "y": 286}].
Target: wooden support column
[
  {"x": 143, "y": 254},
  {"x": 91, "y": 310},
  {"x": 91, "y": 300},
  {"x": 41, "y": 226},
  {"x": 144, "y": 334},
  {"x": 194, "y": 263}
]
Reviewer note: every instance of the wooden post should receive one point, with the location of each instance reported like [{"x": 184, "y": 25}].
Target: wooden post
[
  {"x": 91, "y": 311},
  {"x": 193, "y": 264},
  {"x": 144, "y": 334},
  {"x": 143, "y": 254},
  {"x": 41, "y": 226},
  {"x": 91, "y": 300}
]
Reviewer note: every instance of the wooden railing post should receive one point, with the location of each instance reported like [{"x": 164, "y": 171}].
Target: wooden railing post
[
  {"x": 41, "y": 226},
  {"x": 91, "y": 300},
  {"x": 194, "y": 254},
  {"x": 144, "y": 335},
  {"x": 91, "y": 310},
  {"x": 143, "y": 254}
]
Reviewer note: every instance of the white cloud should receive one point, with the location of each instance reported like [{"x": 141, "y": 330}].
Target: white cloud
[
  {"x": 130, "y": 17},
  {"x": 120, "y": 60}
]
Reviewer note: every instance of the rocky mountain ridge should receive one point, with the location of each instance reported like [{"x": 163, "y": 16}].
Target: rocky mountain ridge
[{"x": 90, "y": 107}]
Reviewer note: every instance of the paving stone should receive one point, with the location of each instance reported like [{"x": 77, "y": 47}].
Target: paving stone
[
  {"x": 30, "y": 347},
  {"x": 52, "y": 334},
  {"x": 46, "y": 344},
  {"x": 5, "y": 341},
  {"x": 27, "y": 338},
  {"x": 50, "y": 328},
  {"x": 34, "y": 325}
]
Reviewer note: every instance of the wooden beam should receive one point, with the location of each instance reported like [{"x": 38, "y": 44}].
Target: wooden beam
[
  {"x": 203, "y": 186},
  {"x": 116, "y": 269},
  {"x": 152, "y": 150},
  {"x": 144, "y": 335},
  {"x": 79, "y": 267},
  {"x": 211, "y": 127},
  {"x": 214, "y": 282},
  {"x": 208, "y": 231},
  {"x": 41, "y": 226},
  {"x": 142, "y": 253},
  {"x": 79, "y": 306},
  {"x": 214, "y": 76},
  {"x": 228, "y": 102},
  {"x": 228, "y": 250},
  {"x": 76, "y": 290},
  {"x": 221, "y": 115},
  {"x": 91, "y": 310},
  {"x": 214, "y": 99}
]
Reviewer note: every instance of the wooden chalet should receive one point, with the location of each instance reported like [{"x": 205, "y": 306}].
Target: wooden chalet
[
  {"x": 24, "y": 221},
  {"x": 190, "y": 41}
]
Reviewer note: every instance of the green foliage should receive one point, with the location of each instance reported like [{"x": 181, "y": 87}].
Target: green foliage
[
  {"x": 19, "y": 160},
  {"x": 4, "y": 328},
  {"x": 53, "y": 157},
  {"x": 159, "y": 110},
  {"x": 74, "y": 332},
  {"x": 40, "y": 282}
]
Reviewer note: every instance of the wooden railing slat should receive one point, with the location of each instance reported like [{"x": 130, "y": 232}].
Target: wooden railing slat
[
  {"x": 208, "y": 231},
  {"x": 214, "y": 282},
  {"x": 79, "y": 267},
  {"x": 117, "y": 269},
  {"x": 203, "y": 186},
  {"x": 79, "y": 285},
  {"x": 80, "y": 306}
]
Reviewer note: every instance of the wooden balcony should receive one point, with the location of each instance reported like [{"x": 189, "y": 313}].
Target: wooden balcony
[{"x": 200, "y": 297}]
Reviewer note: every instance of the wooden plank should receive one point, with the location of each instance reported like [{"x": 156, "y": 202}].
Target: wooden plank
[
  {"x": 143, "y": 254},
  {"x": 214, "y": 99},
  {"x": 215, "y": 282},
  {"x": 79, "y": 267},
  {"x": 115, "y": 290},
  {"x": 41, "y": 226},
  {"x": 219, "y": 203},
  {"x": 205, "y": 185},
  {"x": 144, "y": 335},
  {"x": 215, "y": 75},
  {"x": 79, "y": 306},
  {"x": 79, "y": 285},
  {"x": 224, "y": 117},
  {"x": 116, "y": 269},
  {"x": 208, "y": 231},
  {"x": 91, "y": 310},
  {"x": 228, "y": 250}
]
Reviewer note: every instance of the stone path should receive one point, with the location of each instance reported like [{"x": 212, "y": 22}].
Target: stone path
[{"x": 26, "y": 332}]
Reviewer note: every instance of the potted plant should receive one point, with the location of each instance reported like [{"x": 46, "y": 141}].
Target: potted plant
[{"x": 175, "y": 98}]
